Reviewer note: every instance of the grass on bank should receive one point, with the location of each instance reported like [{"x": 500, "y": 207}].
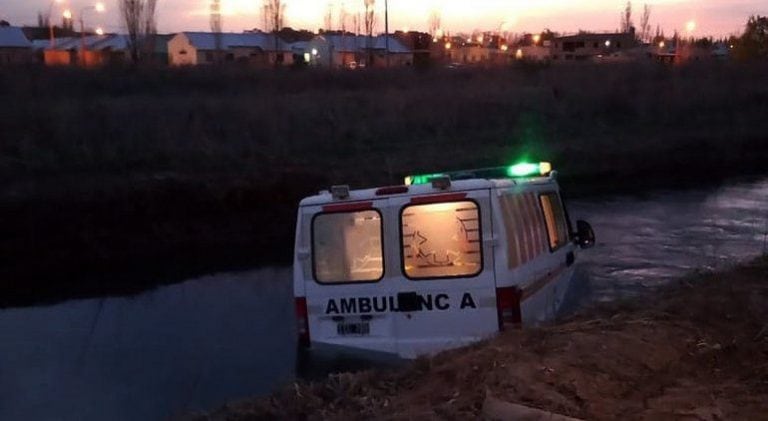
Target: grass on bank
[{"x": 114, "y": 180}]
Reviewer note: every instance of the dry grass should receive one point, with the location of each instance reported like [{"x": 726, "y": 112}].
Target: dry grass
[
  {"x": 119, "y": 170},
  {"x": 588, "y": 119}
]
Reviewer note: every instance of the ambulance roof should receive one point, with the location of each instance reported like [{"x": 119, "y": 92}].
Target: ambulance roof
[{"x": 325, "y": 197}]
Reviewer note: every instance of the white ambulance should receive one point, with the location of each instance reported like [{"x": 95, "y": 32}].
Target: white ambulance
[{"x": 439, "y": 262}]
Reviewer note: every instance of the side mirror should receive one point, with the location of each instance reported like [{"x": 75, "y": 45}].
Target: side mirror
[{"x": 585, "y": 236}]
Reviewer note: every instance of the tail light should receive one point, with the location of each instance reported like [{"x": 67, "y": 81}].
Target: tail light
[
  {"x": 302, "y": 321},
  {"x": 508, "y": 306}
]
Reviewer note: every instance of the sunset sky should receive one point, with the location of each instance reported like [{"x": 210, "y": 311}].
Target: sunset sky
[{"x": 713, "y": 17}]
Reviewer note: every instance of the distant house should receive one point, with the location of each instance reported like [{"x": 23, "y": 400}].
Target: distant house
[
  {"x": 587, "y": 46},
  {"x": 533, "y": 53},
  {"x": 254, "y": 48},
  {"x": 15, "y": 48},
  {"x": 469, "y": 53},
  {"x": 88, "y": 51},
  {"x": 332, "y": 51},
  {"x": 348, "y": 50}
]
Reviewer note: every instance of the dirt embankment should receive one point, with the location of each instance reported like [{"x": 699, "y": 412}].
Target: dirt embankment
[{"x": 698, "y": 350}]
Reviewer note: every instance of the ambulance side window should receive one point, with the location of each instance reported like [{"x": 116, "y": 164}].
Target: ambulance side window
[
  {"x": 441, "y": 240},
  {"x": 525, "y": 228},
  {"x": 554, "y": 216},
  {"x": 347, "y": 247}
]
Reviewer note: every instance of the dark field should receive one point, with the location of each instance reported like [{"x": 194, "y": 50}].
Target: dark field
[{"x": 116, "y": 180}]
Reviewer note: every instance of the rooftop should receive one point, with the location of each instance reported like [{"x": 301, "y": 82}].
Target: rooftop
[
  {"x": 13, "y": 37},
  {"x": 207, "y": 40}
]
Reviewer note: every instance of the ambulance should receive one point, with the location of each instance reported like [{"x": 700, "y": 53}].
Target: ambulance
[{"x": 442, "y": 261}]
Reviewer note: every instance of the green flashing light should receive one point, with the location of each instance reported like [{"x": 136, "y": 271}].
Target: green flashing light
[
  {"x": 527, "y": 169},
  {"x": 523, "y": 169},
  {"x": 413, "y": 180}
]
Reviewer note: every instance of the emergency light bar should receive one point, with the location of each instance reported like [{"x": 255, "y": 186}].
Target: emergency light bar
[{"x": 523, "y": 169}]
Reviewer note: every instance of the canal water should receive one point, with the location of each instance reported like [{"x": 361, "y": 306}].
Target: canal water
[{"x": 198, "y": 344}]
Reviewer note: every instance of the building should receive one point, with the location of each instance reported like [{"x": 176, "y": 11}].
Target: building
[
  {"x": 336, "y": 51},
  {"x": 351, "y": 51},
  {"x": 99, "y": 50},
  {"x": 534, "y": 53},
  {"x": 589, "y": 46},
  {"x": 252, "y": 48},
  {"x": 15, "y": 48}
]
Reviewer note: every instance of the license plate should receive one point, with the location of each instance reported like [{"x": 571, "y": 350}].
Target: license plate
[{"x": 353, "y": 329}]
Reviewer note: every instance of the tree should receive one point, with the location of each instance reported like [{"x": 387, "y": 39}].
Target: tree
[
  {"x": 753, "y": 43},
  {"x": 139, "y": 19},
  {"x": 216, "y": 27},
  {"x": 4, "y": 23},
  {"x": 370, "y": 23},
  {"x": 434, "y": 23},
  {"x": 645, "y": 23},
  {"x": 342, "y": 17},
  {"x": 626, "y": 18},
  {"x": 328, "y": 19},
  {"x": 275, "y": 12}
]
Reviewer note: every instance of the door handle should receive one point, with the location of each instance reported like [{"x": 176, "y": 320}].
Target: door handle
[{"x": 408, "y": 301}]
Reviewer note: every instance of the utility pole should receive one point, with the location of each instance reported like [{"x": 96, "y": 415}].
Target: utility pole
[{"x": 386, "y": 31}]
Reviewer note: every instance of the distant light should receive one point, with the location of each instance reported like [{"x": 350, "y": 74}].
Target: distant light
[
  {"x": 100, "y": 7},
  {"x": 99, "y": 31},
  {"x": 307, "y": 58},
  {"x": 731, "y": 46},
  {"x": 405, "y": 29},
  {"x": 519, "y": 54},
  {"x": 690, "y": 26},
  {"x": 536, "y": 38},
  {"x": 480, "y": 39},
  {"x": 447, "y": 45},
  {"x": 67, "y": 14},
  {"x": 661, "y": 44},
  {"x": 314, "y": 51},
  {"x": 438, "y": 33},
  {"x": 608, "y": 43},
  {"x": 504, "y": 47},
  {"x": 434, "y": 39}
]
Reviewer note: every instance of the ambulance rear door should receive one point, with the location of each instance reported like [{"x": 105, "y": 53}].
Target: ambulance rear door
[{"x": 445, "y": 283}]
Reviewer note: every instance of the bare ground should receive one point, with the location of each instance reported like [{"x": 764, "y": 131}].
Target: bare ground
[{"x": 697, "y": 350}]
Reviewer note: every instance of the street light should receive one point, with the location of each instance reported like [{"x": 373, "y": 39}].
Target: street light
[
  {"x": 99, "y": 31},
  {"x": 99, "y": 8}
]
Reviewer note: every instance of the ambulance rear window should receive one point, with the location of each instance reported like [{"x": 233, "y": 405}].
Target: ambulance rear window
[
  {"x": 441, "y": 240},
  {"x": 346, "y": 247}
]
